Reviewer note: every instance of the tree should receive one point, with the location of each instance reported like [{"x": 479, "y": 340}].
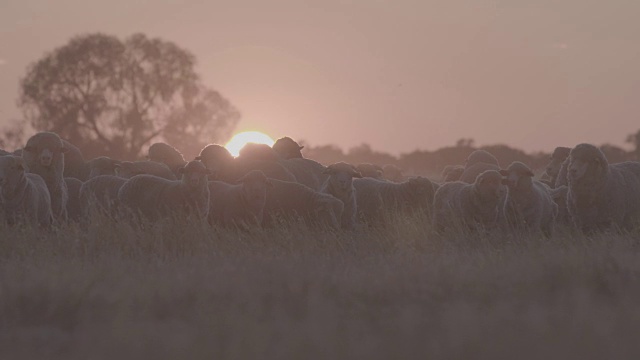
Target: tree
[
  {"x": 634, "y": 139},
  {"x": 115, "y": 97}
]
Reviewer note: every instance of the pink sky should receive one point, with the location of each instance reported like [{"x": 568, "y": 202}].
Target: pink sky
[{"x": 399, "y": 75}]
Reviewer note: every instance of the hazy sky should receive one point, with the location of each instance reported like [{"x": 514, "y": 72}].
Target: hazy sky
[{"x": 399, "y": 75}]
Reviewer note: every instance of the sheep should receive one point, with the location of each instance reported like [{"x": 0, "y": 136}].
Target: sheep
[
  {"x": 226, "y": 168},
  {"x": 101, "y": 193},
  {"x": 44, "y": 155},
  {"x": 166, "y": 154},
  {"x": 529, "y": 205},
  {"x": 258, "y": 152},
  {"x": 452, "y": 173},
  {"x": 602, "y": 196},
  {"x": 217, "y": 159},
  {"x": 481, "y": 156},
  {"x": 291, "y": 200},
  {"x": 478, "y": 162},
  {"x": 23, "y": 196},
  {"x": 370, "y": 170},
  {"x": 340, "y": 185},
  {"x": 74, "y": 207},
  {"x": 474, "y": 206},
  {"x": 240, "y": 204},
  {"x": 154, "y": 197},
  {"x": 559, "y": 155},
  {"x": 102, "y": 165},
  {"x": 287, "y": 148},
  {"x": 129, "y": 169},
  {"x": 392, "y": 173},
  {"x": 376, "y": 197},
  {"x": 74, "y": 164}
]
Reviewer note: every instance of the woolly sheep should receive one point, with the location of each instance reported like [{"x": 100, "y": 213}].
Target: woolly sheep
[
  {"x": 370, "y": 171},
  {"x": 306, "y": 171},
  {"x": 559, "y": 155},
  {"x": 528, "y": 204},
  {"x": 452, "y": 173},
  {"x": 475, "y": 206},
  {"x": 154, "y": 197},
  {"x": 44, "y": 155},
  {"x": 340, "y": 185},
  {"x": 287, "y": 148},
  {"x": 471, "y": 172},
  {"x": 392, "y": 173},
  {"x": 226, "y": 168},
  {"x": 291, "y": 200},
  {"x": 23, "y": 196},
  {"x": 128, "y": 169},
  {"x": 240, "y": 204},
  {"x": 101, "y": 193},
  {"x": 376, "y": 197},
  {"x": 74, "y": 207},
  {"x": 258, "y": 152},
  {"x": 602, "y": 196},
  {"x": 102, "y": 165},
  {"x": 166, "y": 154},
  {"x": 74, "y": 164},
  {"x": 481, "y": 156}
]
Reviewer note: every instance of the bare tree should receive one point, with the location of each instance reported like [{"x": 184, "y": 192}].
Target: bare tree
[{"x": 115, "y": 97}]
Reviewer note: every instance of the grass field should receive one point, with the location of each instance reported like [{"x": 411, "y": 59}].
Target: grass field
[{"x": 181, "y": 292}]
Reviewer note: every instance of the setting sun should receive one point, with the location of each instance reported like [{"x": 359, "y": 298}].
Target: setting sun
[{"x": 239, "y": 140}]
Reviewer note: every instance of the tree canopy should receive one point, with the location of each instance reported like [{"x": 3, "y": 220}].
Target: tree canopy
[{"x": 115, "y": 97}]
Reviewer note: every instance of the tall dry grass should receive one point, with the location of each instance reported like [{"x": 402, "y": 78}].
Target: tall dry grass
[{"x": 175, "y": 291}]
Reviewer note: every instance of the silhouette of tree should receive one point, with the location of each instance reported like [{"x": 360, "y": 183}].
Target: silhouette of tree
[
  {"x": 114, "y": 97},
  {"x": 634, "y": 139}
]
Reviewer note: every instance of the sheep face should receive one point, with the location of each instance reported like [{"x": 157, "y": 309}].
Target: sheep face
[
  {"x": 452, "y": 173},
  {"x": 254, "y": 188},
  {"x": 45, "y": 149},
  {"x": 341, "y": 177},
  {"x": 488, "y": 186},
  {"x": 517, "y": 176},
  {"x": 559, "y": 155},
  {"x": 586, "y": 162},
  {"x": 194, "y": 174},
  {"x": 11, "y": 172}
]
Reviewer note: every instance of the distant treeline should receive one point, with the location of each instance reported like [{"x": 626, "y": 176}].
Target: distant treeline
[{"x": 431, "y": 163}]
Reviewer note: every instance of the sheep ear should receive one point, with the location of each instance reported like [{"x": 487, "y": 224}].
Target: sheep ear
[
  {"x": 300, "y": 147},
  {"x": 198, "y": 157},
  {"x": 503, "y": 172},
  {"x": 356, "y": 174}
]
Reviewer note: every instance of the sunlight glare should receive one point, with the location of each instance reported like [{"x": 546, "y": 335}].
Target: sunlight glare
[{"x": 239, "y": 140}]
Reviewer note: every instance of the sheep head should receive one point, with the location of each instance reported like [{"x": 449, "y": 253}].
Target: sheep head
[
  {"x": 216, "y": 158},
  {"x": 587, "y": 164},
  {"x": 45, "y": 149},
  {"x": 517, "y": 176},
  {"x": 341, "y": 176},
  {"x": 481, "y": 156},
  {"x": 370, "y": 170},
  {"x": 194, "y": 174},
  {"x": 287, "y": 148},
  {"x": 488, "y": 186},
  {"x": 254, "y": 187},
  {"x": 559, "y": 155}
]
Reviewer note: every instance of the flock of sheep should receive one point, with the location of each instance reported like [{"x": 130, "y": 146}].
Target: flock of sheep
[{"x": 48, "y": 183}]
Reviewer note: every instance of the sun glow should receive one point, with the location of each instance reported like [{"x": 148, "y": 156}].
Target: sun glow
[{"x": 241, "y": 139}]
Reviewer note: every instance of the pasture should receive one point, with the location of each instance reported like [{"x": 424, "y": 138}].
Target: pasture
[{"x": 178, "y": 291}]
